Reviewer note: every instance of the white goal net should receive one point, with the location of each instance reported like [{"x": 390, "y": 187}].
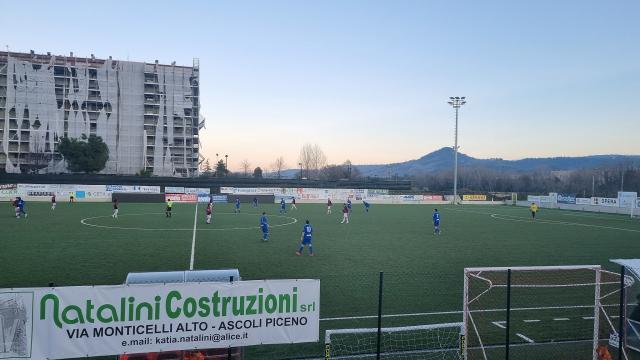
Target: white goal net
[
  {"x": 544, "y": 312},
  {"x": 429, "y": 342}
]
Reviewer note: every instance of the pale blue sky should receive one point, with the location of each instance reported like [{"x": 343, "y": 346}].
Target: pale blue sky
[{"x": 369, "y": 80}]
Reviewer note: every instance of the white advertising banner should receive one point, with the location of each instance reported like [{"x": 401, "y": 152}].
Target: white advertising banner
[
  {"x": 196, "y": 190},
  {"x": 8, "y": 191},
  {"x": 134, "y": 189},
  {"x": 174, "y": 189},
  {"x": 600, "y": 201},
  {"x": 70, "y": 322},
  {"x": 533, "y": 199},
  {"x": 638, "y": 203},
  {"x": 627, "y": 199},
  {"x": 80, "y": 192},
  {"x": 583, "y": 201}
]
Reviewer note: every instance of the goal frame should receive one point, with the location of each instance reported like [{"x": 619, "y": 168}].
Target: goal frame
[
  {"x": 596, "y": 307},
  {"x": 329, "y": 332}
]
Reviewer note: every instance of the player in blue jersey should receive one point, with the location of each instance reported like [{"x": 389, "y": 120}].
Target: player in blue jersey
[
  {"x": 283, "y": 206},
  {"x": 255, "y": 202},
  {"x": 436, "y": 222},
  {"x": 264, "y": 225},
  {"x": 237, "y": 209},
  {"x": 366, "y": 205},
  {"x": 20, "y": 205},
  {"x": 349, "y": 205},
  {"x": 305, "y": 239}
]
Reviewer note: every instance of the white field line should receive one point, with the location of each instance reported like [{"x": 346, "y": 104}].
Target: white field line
[
  {"x": 588, "y": 317},
  {"x": 525, "y": 338},
  {"x": 555, "y": 222},
  {"x": 561, "y": 319},
  {"x": 193, "y": 241},
  {"x": 86, "y": 223},
  {"x": 531, "y": 321},
  {"x": 452, "y": 312},
  {"x": 499, "y": 324}
]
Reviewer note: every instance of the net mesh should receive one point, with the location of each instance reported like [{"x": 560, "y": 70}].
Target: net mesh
[
  {"x": 553, "y": 312},
  {"x": 439, "y": 341}
]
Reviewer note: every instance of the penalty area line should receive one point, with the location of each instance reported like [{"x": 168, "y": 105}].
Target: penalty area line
[{"x": 193, "y": 240}]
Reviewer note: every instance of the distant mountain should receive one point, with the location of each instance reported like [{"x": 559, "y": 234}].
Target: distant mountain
[{"x": 442, "y": 160}]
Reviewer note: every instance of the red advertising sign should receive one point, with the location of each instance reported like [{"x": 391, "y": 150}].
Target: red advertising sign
[{"x": 181, "y": 198}]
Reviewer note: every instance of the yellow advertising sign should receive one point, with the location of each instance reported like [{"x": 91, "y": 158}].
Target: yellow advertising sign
[{"x": 474, "y": 197}]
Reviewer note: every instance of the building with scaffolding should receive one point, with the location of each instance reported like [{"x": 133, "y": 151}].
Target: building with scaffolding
[{"x": 146, "y": 113}]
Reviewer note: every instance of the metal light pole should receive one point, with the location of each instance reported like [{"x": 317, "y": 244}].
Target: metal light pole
[
  {"x": 456, "y": 102},
  {"x": 226, "y": 163}
]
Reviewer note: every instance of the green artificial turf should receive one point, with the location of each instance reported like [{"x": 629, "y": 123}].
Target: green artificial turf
[{"x": 423, "y": 273}]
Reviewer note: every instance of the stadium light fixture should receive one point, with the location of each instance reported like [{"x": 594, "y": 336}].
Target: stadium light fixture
[{"x": 456, "y": 103}]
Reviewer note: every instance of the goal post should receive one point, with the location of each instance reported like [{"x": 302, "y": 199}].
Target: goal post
[
  {"x": 537, "y": 311},
  {"x": 433, "y": 341}
]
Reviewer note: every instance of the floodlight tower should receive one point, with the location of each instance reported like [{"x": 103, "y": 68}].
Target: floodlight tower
[{"x": 456, "y": 102}]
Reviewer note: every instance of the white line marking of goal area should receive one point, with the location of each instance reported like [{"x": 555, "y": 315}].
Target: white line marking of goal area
[
  {"x": 561, "y": 319},
  {"x": 499, "y": 324},
  {"x": 531, "y": 321},
  {"x": 193, "y": 241},
  {"x": 525, "y": 338}
]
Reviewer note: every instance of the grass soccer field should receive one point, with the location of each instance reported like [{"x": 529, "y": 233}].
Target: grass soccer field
[{"x": 80, "y": 244}]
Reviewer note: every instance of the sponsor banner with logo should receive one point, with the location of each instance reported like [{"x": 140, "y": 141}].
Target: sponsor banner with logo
[
  {"x": 627, "y": 199},
  {"x": 217, "y": 198},
  {"x": 432, "y": 197},
  {"x": 134, "y": 189},
  {"x": 474, "y": 197},
  {"x": 80, "y": 192},
  {"x": 197, "y": 190},
  {"x": 8, "y": 191},
  {"x": 174, "y": 189},
  {"x": 583, "y": 201},
  {"x": 181, "y": 198},
  {"x": 72, "y": 322},
  {"x": 534, "y": 199},
  {"x": 547, "y": 199},
  {"x": 638, "y": 203},
  {"x": 566, "y": 198},
  {"x": 600, "y": 201}
]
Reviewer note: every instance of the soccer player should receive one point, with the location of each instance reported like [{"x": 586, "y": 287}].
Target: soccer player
[
  {"x": 264, "y": 225},
  {"x": 237, "y": 209},
  {"x": 20, "y": 204},
  {"x": 366, "y": 205},
  {"x": 345, "y": 214},
  {"x": 534, "y": 210},
  {"x": 53, "y": 202},
  {"x": 283, "y": 206},
  {"x": 167, "y": 212},
  {"x": 255, "y": 202},
  {"x": 436, "y": 222},
  {"x": 293, "y": 203},
  {"x": 305, "y": 239},
  {"x": 209, "y": 212},
  {"x": 71, "y": 198},
  {"x": 329, "y": 205},
  {"x": 115, "y": 208},
  {"x": 349, "y": 204}
]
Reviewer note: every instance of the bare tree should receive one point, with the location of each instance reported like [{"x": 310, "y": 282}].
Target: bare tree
[
  {"x": 312, "y": 159},
  {"x": 278, "y": 166},
  {"x": 246, "y": 166}
]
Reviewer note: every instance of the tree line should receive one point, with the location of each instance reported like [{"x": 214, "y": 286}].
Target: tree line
[{"x": 603, "y": 181}]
